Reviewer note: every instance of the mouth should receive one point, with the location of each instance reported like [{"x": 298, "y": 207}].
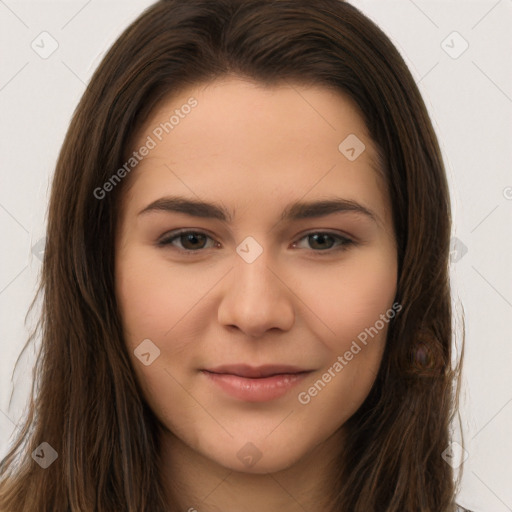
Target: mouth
[
  {"x": 256, "y": 372},
  {"x": 255, "y": 384}
]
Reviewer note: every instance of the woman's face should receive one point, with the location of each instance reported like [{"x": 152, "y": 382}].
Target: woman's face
[{"x": 258, "y": 335}]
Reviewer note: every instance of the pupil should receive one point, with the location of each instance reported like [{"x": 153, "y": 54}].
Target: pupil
[
  {"x": 191, "y": 238},
  {"x": 317, "y": 237}
]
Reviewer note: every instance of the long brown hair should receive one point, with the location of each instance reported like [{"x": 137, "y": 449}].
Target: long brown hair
[{"x": 88, "y": 405}]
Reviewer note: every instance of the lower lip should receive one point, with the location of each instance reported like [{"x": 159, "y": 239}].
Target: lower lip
[{"x": 256, "y": 390}]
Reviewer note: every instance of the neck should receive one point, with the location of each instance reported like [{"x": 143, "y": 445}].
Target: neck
[{"x": 198, "y": 483}]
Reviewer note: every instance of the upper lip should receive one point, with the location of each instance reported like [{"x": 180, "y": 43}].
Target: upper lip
[{"x": 243, "y": 370}]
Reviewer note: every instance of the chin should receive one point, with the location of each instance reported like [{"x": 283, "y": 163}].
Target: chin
[
  {"x": 257, "y": 458},
  {"x": 269, "y": 464}
]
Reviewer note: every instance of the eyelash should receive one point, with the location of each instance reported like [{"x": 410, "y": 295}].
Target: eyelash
[{"x": 344, "y": 245}]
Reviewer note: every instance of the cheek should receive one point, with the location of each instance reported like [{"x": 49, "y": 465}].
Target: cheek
[
  {"x": 360, "y": 318},
  {"x": 350, "y": 298},
  {"x": 155, "y": 299},
  {"x": 359, "y": 311},
  {"x": 371, "y": 293},
  {"x": 149, "y": 309},
  {"x": 151, "y": 294}
]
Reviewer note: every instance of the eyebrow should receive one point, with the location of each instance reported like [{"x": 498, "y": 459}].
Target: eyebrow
[{"x": 294, "y": 211}]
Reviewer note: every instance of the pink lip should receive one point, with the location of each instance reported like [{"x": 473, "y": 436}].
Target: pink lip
[{"x": 255, "y": 384}]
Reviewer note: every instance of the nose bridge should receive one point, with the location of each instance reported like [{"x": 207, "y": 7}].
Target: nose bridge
[
  {"x": 253, "y": 280},
  {"x": 255, "y": 300}
]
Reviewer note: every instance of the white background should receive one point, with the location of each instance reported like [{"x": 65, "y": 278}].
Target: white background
[{"x": 468, "y": 97}]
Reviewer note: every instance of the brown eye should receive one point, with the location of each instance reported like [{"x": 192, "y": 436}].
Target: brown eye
[
  {"x": 320, "y": 241},
  {"x": 189, "y": 240}
]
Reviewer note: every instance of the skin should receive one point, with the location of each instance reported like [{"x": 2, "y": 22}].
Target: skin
[{"x": 254, "y": 150}]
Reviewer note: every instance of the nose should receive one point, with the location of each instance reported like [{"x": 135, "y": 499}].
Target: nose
[{"x": 255, "y": 298}]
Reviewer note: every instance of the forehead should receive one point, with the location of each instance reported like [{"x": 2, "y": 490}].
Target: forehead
[
  {"x": 231, "y": 110},
  {"x": 245, "y": 141}
]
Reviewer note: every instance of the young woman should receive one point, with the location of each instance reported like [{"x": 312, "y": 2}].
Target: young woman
[{"x": 246, "y": 293}]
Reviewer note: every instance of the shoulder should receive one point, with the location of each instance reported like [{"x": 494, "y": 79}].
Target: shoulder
[{"x": 462, "y": 509}]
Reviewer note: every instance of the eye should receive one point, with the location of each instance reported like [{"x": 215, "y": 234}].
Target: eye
[
  {"x": 190, "y": 240},
  {"x": 193, "y": 241},
  {"x": 320, "y": 240}
]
